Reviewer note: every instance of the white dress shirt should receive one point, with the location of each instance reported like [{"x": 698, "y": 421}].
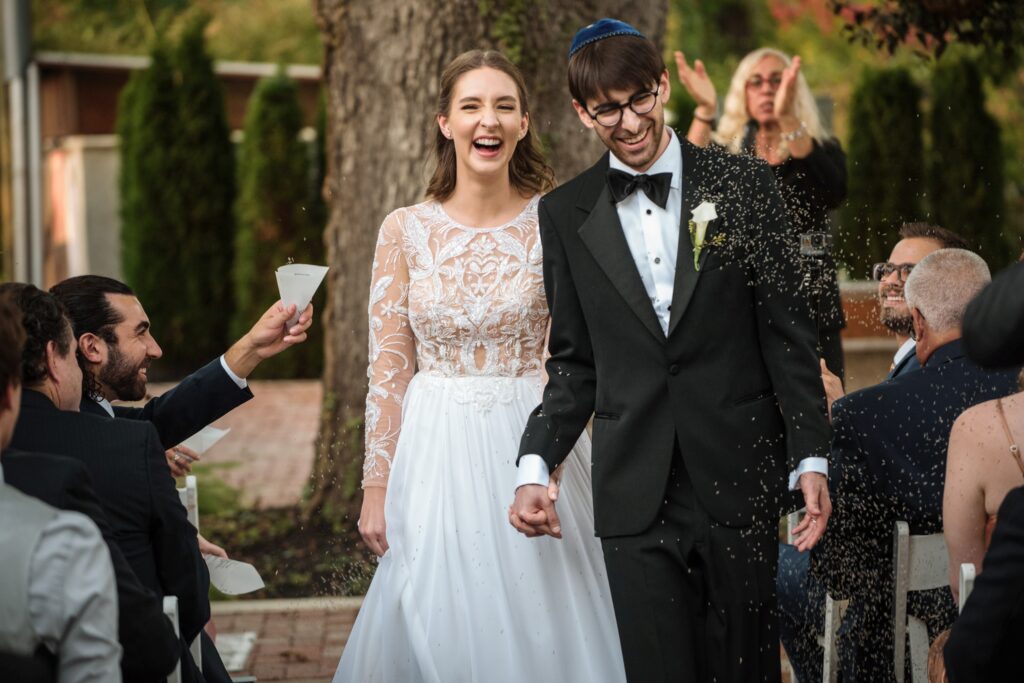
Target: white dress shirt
[
  {"x": 652, "y": 234},
  {"x": 905, "y": 350}
]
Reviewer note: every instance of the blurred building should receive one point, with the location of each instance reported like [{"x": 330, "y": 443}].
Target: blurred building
[{"x": 78, "y": 96}]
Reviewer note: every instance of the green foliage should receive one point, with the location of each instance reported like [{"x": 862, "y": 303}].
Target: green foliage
[
  {"x": 245, "y": 30},
  {"x": 884, "y": 160},
  {"x": 206, "y": 178},
  {"x": 965, "y": 172},
  {"x": 275, "y": 224},
  {"x": 153, "y": 217}
]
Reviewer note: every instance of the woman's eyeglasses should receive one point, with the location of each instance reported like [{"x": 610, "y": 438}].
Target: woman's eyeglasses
[{"x": 755, "y": 82}]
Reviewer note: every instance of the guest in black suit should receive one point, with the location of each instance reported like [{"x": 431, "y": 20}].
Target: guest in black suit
[
  {"x": 116, "y": 347},
  {"x": 124, "y": 459},
  {"x": 688, "y": 342},
  {"x": 985, "y": 642},
  {"x": 801, "y": 597},
  {"x": 888, "y": 463}
]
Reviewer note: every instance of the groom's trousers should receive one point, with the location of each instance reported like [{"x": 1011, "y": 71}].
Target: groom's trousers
[{"x": 694, "y": 600}]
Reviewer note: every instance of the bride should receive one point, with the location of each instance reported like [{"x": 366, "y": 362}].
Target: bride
[{"x": 458, "y": 321}]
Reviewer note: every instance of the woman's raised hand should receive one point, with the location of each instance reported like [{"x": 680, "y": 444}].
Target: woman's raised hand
[
  {"x": 784, "y": 96},
  {"x": 697, "y": 83}
]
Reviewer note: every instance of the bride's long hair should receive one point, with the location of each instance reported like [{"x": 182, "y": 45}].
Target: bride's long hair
[{"x": 528, "y": 170}]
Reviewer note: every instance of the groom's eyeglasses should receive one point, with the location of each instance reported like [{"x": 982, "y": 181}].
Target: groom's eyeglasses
[{"x": 609, "y": 115}]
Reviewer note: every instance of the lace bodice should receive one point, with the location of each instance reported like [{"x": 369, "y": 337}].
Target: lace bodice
[{"x": 451, "y": 301}]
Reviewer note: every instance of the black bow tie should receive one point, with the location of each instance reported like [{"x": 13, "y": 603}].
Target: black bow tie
[{"x": 622, "y": 184}]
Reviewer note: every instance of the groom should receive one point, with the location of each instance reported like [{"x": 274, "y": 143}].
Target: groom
[{"x": 682, "y": 331}]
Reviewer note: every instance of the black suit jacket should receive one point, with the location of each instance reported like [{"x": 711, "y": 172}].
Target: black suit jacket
[
  {"x": 150, "y": 647},
  {"x": 736, "y": 381},
  {"x": 985, "y": 642},
  {"x": 202, "y": 397},
  {"x": 888, "y": 464},
  {"x": 126, "y": 463},
  {"x": 994, "y": 321}
]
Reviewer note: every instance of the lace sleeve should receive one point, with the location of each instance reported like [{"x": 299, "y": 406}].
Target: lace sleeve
[{"x": 392, "y": 357}]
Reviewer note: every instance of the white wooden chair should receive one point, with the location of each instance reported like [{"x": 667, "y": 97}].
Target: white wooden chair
[
  {"x": 967, "y": 574},
  {"x": 919, "y": 563},
  {"x": 190, "y": 499},
  {"x": 834, "y": 611},
  {"x": 792, "y": 520},
  {"x": 171, "y": 610}
]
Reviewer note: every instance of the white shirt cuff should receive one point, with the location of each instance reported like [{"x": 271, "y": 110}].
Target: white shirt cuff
[
  {"x": 819, "y": 465},
  {"x": 532, "y": 470},
  {"x": 242, "y": 384}
]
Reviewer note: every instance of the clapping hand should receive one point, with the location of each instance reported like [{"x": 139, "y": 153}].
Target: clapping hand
[
  {"x": 697, "y": 84},
  {"x": 784, "y": 96}
]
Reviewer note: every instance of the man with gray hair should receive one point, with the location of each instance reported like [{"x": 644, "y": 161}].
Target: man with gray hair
[{"x": 888, "y": 463}]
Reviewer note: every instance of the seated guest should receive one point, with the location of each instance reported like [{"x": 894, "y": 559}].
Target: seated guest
[
  {"x": 58, "y": 609},
  {"x": 801, "y": 597},
  {"x": 124, "y": 459},
  {"x": 116, "y": 346},
  {"x": 888, "y": 463},
  {"x": 917, "y": 240},
  {"x": 983, "y": 643}
]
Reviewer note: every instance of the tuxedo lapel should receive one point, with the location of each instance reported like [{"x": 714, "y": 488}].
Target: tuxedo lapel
[
  {"x": 602, "y": 234},
  {"x": 686, "y": 275}
]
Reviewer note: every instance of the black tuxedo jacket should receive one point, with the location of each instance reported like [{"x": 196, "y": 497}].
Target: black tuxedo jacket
[
  {"x": 994, "y": 321},
  {"x": 986, "y": 636},
  {"x": 888, "y": 464},
  {"x": 735, "y": 383},
  {"x": 129, "y": 472},
  {"x": 202, "y": 397},
  {"x": 150, "y": 647}
]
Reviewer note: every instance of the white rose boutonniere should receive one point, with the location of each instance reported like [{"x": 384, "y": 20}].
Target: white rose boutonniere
[{"x": 701, "y": 216}]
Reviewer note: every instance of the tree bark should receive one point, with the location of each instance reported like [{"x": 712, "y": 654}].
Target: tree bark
[{"x": 382, "y": 62}]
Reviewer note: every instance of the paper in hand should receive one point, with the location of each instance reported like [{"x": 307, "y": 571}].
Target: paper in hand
[
  {"x": 204, "y": 439},
  {"x": 232, "y": 577},
  {"x": 297, "y": 283}
]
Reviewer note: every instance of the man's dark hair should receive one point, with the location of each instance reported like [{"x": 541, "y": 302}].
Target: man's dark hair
[
  {"x": 85, "y": 298},
  {"x": 44, "y": 320},
  {"x": 627, "y": 63},
  {"x": 12, "y": 343},
  {"x": 947, "y": 238}
]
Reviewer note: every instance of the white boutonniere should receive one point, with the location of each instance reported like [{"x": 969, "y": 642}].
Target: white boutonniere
[{"x": 701, "y": 216}]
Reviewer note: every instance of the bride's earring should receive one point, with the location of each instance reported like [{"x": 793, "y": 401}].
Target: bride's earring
[{"x": 447, "y": 134}]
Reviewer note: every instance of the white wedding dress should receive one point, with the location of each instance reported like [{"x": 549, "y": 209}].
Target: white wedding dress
[{"x": 457, "y": 332}]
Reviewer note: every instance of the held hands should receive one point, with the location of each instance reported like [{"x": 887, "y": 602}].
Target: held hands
[
  {"x": 533, "y": 511},
  {"x": 698, "y": 85},
  {"x": 371, "y": 521},
  {"x": 809, "y": 531}
]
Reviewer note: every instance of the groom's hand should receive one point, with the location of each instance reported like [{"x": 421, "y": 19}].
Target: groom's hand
[
  {"x": 819, "y": 507},
  {"x": 533, "y": 512}
]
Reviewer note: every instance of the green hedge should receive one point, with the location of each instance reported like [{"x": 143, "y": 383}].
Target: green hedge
[
  {"x": 885, "y": 164},
  {"x": 965, "y": 170},
  {"x": 275, "y": 222}
]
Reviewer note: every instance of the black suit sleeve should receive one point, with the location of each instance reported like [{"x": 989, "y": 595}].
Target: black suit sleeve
[
  {"x": 786, "y": 330},
  {"x": 555, "y": 425},
  {"x": 181, "y": 568},
  {"x": 198, "y": 400},
  {"x": 994, "y": 322},
  {"x": 984, "y": 641}
]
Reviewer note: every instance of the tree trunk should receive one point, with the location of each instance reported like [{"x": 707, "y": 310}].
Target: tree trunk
[{"x": 382, "y": 64}]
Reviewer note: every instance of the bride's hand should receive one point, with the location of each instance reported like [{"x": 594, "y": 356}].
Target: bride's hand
[
  {"x": 555, "y": 481},
  {"x": 371, "y": 521}
]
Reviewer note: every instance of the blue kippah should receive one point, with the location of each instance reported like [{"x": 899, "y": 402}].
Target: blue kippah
[{"x": 599, "y": 30}]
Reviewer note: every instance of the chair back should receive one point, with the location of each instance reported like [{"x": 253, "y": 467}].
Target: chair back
[
  {"x": 171, "y": 610},
  {"x": 190, "y": 499},
  {"x": 919, "y": 563},
  {"x": 967, "y": 574}
]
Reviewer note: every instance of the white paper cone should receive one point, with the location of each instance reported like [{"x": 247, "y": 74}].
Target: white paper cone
[{"x": 297, "y": 283}]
